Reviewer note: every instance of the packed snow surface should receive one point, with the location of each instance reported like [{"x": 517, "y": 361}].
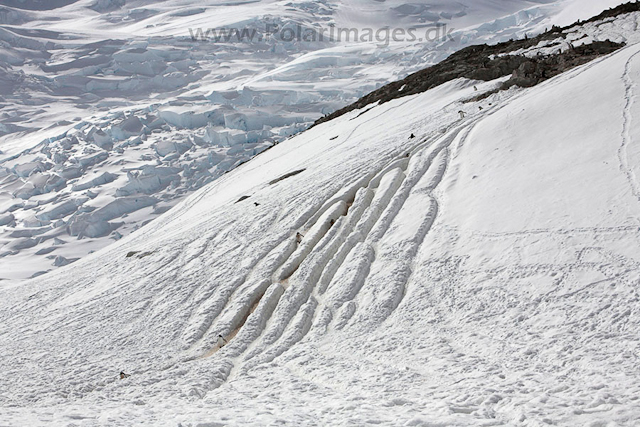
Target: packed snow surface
[
  {"x": 484, "y": 272},
  {"x": 113, "y": 111}
]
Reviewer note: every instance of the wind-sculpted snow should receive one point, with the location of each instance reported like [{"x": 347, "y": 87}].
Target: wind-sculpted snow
[{"x": 106, "y": 99}]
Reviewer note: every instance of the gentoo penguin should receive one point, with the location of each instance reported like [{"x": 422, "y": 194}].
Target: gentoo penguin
[
  {"x": 299, "y": 238},
  {"x": 221, "y": 341}
]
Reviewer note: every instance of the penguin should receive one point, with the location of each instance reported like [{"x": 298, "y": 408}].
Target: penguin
[
  {"x": 221, "y": 341},
  {"x": 123, "y": 375},
  {"x": 412, "y": 136},
  {"x": 299, "y": 238},
  {"x": 256, "y": 203}
]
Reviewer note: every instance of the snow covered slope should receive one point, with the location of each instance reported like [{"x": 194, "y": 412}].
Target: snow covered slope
[
  {"x": 484, "y": 272},
  {"x": 111, "y": 113}
]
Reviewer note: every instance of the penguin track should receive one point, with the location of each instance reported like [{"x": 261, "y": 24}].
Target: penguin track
[{"x": 287, "y": 310}]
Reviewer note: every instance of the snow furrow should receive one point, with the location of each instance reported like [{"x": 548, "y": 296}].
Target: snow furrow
[
  {"x": 319, "y": 233},
  {"x": 386, "y": 283},
  {"x": 256, "y": 321},
  {"x": 390, "y": 179},
  {"x": 417, "y": 168},
  {"x": 311, "y": 239},
  {"x": 313, "y": 263},
  {"x": 627, "y": 139},
  {"x": 350, "y": 277},
  {"x": 302, "y": 283},
  {"x": 394, "y": 268},
  {"x": 386, "y": 188},
  {"x": 247, "y": 289},
  {"x": 300, "y": 325},
  {"x": 347, "y": 194}
]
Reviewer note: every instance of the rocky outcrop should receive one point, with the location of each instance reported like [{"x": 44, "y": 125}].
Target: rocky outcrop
[{"x": 485, "y": 62}]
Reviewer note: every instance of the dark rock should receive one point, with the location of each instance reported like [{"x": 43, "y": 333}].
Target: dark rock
[{"x": 474, "y": 62}]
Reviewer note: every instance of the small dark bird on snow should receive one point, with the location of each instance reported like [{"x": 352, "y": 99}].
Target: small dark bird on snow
[
  {"x": 256, "y": 203},
  {"x": 221, "y": 341},
  {"x": 412, "y": 136},
  {"x": 299, "y": 238},
  {"x": 123, "y": 375}
]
